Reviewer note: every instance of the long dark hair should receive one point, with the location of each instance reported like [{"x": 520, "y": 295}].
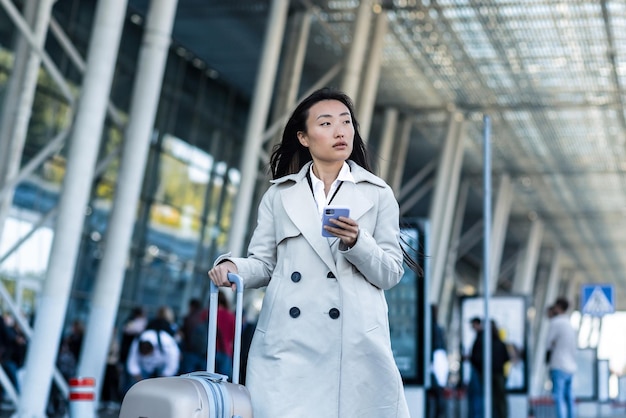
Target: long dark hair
[{"x": 289, "y": 156}]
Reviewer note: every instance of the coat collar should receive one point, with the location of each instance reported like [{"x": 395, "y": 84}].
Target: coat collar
[
  {"x": 359, "y": 173},
  {"x": 301, "y": 209}
]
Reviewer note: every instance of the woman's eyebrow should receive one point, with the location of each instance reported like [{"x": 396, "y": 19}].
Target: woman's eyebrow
[{"x": 324, "y": 115}]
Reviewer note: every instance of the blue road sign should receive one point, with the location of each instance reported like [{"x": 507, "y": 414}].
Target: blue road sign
[{"x": 597, "y": 299}]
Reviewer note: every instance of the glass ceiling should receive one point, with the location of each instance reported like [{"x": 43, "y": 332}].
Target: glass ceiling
[{"x": 550, "y": 73}]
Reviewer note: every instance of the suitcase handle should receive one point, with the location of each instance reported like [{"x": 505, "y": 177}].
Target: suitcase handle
[{"x": 211, "y": 347}]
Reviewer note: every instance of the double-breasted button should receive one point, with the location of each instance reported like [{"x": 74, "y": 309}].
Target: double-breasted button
[
  {"x": 330, "y": 275},
  {"x": 294, "y": 312},
  {"x": 296, "y": 276},
  {"x": 334, "y": 313}
]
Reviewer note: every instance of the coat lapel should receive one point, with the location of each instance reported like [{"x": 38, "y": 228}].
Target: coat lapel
[
  {"x": 350, "y": 197},
  {"x": 300, "y": 206}
]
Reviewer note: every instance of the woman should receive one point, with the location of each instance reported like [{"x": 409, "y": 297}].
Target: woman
[{"x": 321, "y": 347}]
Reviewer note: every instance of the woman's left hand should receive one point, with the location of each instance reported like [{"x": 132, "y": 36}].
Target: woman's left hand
[{"x": 347, "y": 230}]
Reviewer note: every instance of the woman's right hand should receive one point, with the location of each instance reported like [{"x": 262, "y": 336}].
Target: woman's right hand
[{"x": 219, "y": 274}]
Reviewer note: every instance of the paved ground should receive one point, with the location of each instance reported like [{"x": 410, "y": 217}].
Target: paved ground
[
  {"x": 8, "y": 412},
  {"x": 540, "y": 411}
]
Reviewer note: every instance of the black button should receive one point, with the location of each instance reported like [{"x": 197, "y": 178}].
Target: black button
[
  {"x": 294, "y": 312},
  {"x": 334, "y": 313},
  {"x": 330, "y": 275},
  {"x": 296, "y": 276}
]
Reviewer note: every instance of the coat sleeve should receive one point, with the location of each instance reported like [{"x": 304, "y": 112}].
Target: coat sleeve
[
  {"x": 256, "y": 269},
  {"x": 377, "y": 254}
]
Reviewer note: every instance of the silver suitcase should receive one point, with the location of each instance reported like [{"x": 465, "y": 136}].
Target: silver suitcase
[{"x": 198, "y": 394}]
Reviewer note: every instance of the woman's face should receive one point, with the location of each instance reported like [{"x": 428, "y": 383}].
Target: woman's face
[{"x": 330, "y": 132}]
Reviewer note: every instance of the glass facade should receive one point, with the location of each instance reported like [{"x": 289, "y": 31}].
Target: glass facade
[{"x": 190, "y": 181}]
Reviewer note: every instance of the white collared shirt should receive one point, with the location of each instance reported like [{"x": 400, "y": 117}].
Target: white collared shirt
[
  {"x": 321, "y": 199},
  {"x": 562, "y": 342},
  {"x": 165, "y": 357}
]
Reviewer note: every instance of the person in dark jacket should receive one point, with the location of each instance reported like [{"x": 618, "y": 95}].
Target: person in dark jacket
[
  {"x": 164, "y": 320},
  {"x": 10, "y": 344},
  {"x": 499, "y": 357},
  {"x": 75, "y": 338},
  {"x": 194, "y": 338},
  {"x": 435, "y": 402},
  {"x": 475, "y": 387}
]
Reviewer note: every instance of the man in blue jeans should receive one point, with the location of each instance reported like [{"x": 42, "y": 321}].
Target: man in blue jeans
[{"x": 562, "y": 347}]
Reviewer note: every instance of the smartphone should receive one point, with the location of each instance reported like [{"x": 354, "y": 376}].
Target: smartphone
[{"x": 333, "y": 212}]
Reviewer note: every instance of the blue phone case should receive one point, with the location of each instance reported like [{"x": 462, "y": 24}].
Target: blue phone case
[{"x": 332, "y": 212}]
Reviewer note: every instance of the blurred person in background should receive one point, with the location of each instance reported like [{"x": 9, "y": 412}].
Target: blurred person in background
[
  {"x": 225, "y": 336},
  {"x": 435, "y": 402},
  {"x": 164, "y": 320},
  {"x": 133, "y": 327},
  {"x": 561, "y": 344},
  {"x": 11, "y": 343},
  {"x": 194, "y": 337},
  {"x": 154, "y": 353},
  {"x": 75, "y": 338},
  {"x": 110, "y": 393},
  {"x": 475, "y": 387},
  {"x": 499, "y": 357}
]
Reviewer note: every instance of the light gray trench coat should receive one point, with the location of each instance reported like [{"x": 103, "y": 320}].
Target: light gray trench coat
[{"x": 321, "y": 347}]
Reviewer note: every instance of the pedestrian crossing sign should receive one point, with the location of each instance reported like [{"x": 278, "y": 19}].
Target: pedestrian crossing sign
[{"x": 597, "y": 299}]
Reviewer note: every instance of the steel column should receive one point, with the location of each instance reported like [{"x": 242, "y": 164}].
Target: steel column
[
  {"x": 66, "y": 44},
  {"x": 537, "y": 376},
  {"x": 471, "y": 237},
  {"x": 289, "y": 82},
  {"x": 401, "y": 153},
  {"x": 445, "y": 299},
  {"x": 527, "y": 266},
  {"x": 416, "y": 196},
  {"x": 367, "y": 99},
  {"x": 74, "y": 197},
  {"x": 11, "y": 102},
  {"x": 408, "y": 186},
  {"x": 19, "y": 99},
  {"x": 572, "y": 291},
  {"x": 22, "y": 25},
  {"x": 356, "y": 56},
  {"x": 143, "y": 108},
  {"x": 487, "y": 341},
  {"x": 498, "y": 233},
  {"x": 442, "y": 205},
  {"x": 262, "y": 97},
  {"x": 387, "y": 142}
]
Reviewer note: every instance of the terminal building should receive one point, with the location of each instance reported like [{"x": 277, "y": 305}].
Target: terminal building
[{"x": 134, "y": 145}]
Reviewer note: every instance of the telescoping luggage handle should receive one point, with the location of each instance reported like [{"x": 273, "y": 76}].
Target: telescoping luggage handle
[{"x": 211, "y": 348}]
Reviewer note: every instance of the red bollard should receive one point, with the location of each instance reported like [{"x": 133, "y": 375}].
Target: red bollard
[{"x": 82, "y": 397}]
